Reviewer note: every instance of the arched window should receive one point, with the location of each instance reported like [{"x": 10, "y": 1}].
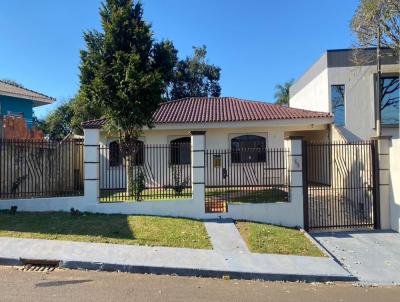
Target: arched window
[
  {"x": 116, "y": 155},
  {"x": 180, "y": 151},
  {"x": 248, "y": 149}
]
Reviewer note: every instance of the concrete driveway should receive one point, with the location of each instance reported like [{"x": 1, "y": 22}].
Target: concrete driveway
[{"x": 372, "y": 256}]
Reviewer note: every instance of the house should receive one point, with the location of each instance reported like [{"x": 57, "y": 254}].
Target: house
[
  {"x": 238, "y": 135},
  {"x": 343, "y": 83},
  {"x": 18, "y": 102}
]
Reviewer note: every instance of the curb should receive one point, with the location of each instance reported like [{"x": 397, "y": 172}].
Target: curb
[{"x": 187, "y": 272}]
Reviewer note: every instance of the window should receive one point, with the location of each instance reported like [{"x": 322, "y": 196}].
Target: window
[
  {"x": 389, "y": 100},
  {"x": 116, "y": 156},
  {"x": 180, "y": 151},
  {"x": 337, "y": 101},
  {"x": 248, "y": 149}
]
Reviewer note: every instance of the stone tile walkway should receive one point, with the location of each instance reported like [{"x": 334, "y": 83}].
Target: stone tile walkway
[{"x": 225, "y": 237}]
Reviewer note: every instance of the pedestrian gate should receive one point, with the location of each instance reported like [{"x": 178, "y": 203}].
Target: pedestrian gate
[{"x": 340, "y": 185}]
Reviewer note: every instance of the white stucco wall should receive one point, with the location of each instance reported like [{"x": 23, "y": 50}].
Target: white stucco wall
[
  {"x": 359, "y": 98},
  {"x": 314, "y": 96},
  {"x": 394, "y": 189}
]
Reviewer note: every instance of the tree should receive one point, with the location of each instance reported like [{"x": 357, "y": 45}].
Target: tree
[
  {"x": 376, "y": 23},
  {"x": 282, "y": 93},
  {"x": 57, "y": 123},
  {"x": 372, "y": 16},
  {"x": 126, "y": 72},
  {"x": 193, "y": 76}
]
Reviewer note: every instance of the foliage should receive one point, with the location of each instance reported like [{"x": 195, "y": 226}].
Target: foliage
[
  {"x": 139, "y": 184},
  {"x": 195, "y": 77},
  {"x": 12, "y": 82},
  {"x": 126, "y": 77},
  {"x": 58, "y": 123},
  {"x": 282, "y": 93},
  {"x": 180, "y": 183},
  {"x": 373, "y": 14}
]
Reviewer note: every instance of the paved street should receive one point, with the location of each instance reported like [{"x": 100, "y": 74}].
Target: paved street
[{"x": 72, "y": 285}]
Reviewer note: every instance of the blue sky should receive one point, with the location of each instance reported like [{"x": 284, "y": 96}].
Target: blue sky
[{"x": 258, "y": 44}]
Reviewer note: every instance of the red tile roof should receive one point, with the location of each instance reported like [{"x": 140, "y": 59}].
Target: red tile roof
[{"x": 220, "y": 109}]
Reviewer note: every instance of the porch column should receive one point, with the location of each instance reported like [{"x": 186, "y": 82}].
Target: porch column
[
  {"x": 198, "y": 168},
  {"x": 295, "y": 169},
  {"x": 91, "y": 165},
  {"x": 382, "y": 180}
]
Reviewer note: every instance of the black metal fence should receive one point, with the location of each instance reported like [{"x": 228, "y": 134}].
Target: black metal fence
[
  {"x": 247, "y": 175},
  {"x": 146, "y": 172},
  {"x": 33, "y": 168},
  {"x": 340, "y": 185}
]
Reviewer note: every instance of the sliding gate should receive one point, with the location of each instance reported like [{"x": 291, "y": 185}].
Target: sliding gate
[{"x": 340, "y": 185}]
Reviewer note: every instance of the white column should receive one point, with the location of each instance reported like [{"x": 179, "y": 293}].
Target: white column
[
  {"x": 383, "y": 143},
  {"x": 198, "y": 169},
  {"x": 91, "y": 165},
  {"x": 294, "y": 146}
]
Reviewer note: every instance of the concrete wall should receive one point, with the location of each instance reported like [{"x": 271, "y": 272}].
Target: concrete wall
[
  {"x": 394, "y": 190},
  {"x": 314, "y": 96},
  {"x": 359, "y": 99},
  {"x": 284, "y": 213}
]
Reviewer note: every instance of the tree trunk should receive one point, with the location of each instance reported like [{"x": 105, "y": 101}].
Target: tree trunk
[{"x": 130, "y": 175}]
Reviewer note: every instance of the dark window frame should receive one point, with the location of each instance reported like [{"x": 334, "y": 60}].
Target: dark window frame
[
  {"x": 248, "y": 148},
  {"x": 385, "y": 76},
  {"x": 180, "y": 151},
  {"x": 334, "y": 108},
  {"x": 115, "y": 154}
]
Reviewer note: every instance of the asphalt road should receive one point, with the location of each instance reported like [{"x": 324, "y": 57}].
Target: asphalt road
[{"x": 69, "y": 285}]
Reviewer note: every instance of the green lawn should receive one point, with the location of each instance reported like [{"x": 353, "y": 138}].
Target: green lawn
[
  {"x": 118, "y": 229},
  {"x": 252, "y": 195},
  {"x": 272, "y": 239}
]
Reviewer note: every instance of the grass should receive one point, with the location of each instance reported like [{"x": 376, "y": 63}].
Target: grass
[
  {"x": 272, "y": 239},
  {"x": 240, "y": 195},
  {"x": 148, "y": 194},
  {"x": 117, "y": 229}
]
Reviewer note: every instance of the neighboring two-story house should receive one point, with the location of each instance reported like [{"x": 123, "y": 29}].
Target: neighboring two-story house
[
  {"x": 343, "y": 82},
  {"x": 19, "y": 101}
]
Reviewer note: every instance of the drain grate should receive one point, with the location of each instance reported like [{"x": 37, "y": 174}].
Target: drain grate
[{"x": 35, "y": 265}]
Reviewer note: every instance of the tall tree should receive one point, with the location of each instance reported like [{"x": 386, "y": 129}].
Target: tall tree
[
  {"x": 194, "y": 76},
  {"x": 372, "y": 16},
  {"x": 282, "y": 93},
  {"x": 128, "y": 74},
  {"x": 376, "y": 23}
]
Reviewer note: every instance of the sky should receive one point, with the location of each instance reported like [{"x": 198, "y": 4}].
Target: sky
[{"x": 257, "y": 43}]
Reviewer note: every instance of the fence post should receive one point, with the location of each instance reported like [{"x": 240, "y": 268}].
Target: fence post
[
  {"x": 198, "y": 168},
  {"x": 295, "y": 146},
  {"x": 91, "y": 164},
  {"x": 382, "y": 181}
]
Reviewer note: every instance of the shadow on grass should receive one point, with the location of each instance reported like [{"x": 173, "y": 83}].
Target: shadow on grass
[{"x": 57, "y": 223}]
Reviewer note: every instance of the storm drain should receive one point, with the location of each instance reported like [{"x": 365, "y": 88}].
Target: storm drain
[{"x": 35, "y": 265}]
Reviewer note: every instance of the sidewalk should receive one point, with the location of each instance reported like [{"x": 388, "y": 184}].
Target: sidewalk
[{"x": 230, "y": 256}]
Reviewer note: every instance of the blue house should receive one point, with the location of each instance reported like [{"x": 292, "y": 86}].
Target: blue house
[{"x": 18, "y": 101}]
